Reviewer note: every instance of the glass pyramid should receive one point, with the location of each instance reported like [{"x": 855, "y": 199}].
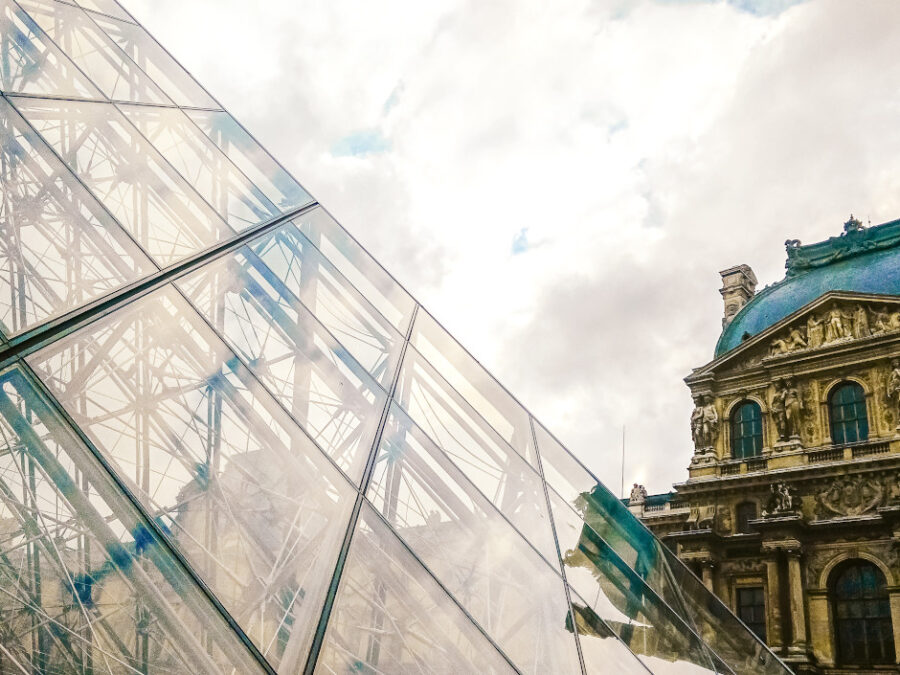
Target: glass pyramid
[{"x": 232, "y": 443}]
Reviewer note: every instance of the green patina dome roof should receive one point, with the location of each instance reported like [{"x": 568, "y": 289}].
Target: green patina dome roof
[{"x": 862, "y": 260}]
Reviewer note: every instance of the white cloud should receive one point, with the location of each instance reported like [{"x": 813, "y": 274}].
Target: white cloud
[{"x": 640, "y": 146}]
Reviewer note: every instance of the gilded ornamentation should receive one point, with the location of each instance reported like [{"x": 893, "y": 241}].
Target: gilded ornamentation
[
  {"x": 849, "y": 496},
  {"x": 783, "y": 500}
]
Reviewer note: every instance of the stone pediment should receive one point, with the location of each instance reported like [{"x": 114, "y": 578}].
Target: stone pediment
[{"x": 833, "y": 319}]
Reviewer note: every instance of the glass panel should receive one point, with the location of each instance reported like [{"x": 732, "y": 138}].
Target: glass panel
[
  {"x": 156, "y": 62},
  {"x": 391, "y": 617},
  {"x": 202, "y": 165},
  {"x": 30, "y": 63},
  {"x": 326, "y": 391},
  {"x": 501, "y": 474},
  {"x": 719, "y": 628},
  {"x": 251, "y": 158},
  {"x": 306, "y": 274},
  {"x": 132, "y": 180},
  {"x": 58, "y": 248},
  {"x": 251, "y": 502},
  {"x": 474, "y": 383},
  {"x": 85, "y": 585},
  {"x": 358, "y": 266},
  {"x": 501, "y": 581},
  {"x": 93, "y": 52},
  {"x": 110, "y": 7},
  {"x": 619, "y": 597}
]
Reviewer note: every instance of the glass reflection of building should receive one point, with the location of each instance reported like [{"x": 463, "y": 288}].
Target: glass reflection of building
[{"x": 231, "y": 442}]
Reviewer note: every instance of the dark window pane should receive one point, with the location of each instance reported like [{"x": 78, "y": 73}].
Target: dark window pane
[
  {"x": 751, "y": 609},
  {"x": 849, "y": 421},
  {"x": 746, "y": 430},
  {"x": 863, "y": 631}
]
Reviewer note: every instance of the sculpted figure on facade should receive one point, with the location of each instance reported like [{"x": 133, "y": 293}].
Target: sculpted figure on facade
[
  {"x": 815, "y": 331},
  {"x": 777, "y": 409},
  {"x": 787, "y": 407},
  {"x": 849, "y": 496},
  {"x": 704, "y": 423},
  {"x": 860, "y": 322},
  {"x": 783, "y": 500},
  {"x": 892, "y": 388},
  {"x": 638, "y": 494}
]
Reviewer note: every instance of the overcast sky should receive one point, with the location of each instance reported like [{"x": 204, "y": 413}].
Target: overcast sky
[{"x": 560, "y": 182}]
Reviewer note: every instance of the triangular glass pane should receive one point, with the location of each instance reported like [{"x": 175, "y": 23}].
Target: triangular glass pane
[
  {"x": 92, "y": 50},
  {"x": 249, "y": 500},
  {"x": 473, "y": 551},
  {"x": 475, "y": 384},
  {"x": 326, "y": 391},
  {"x": 85, "y": 584},
  {"x": 390, "y": 616},
  {"x": 147, "y": 196},
  {"x": 309, "y": 276},
  {"x": 202, "y": 165},
  {"x": 108, "y": 7},
  {"x": 60, "y": 248},
  {"x": 231, "y": 138},
  {"x": 357, "y": 266},
  {"x": 484, "y": 457},
  {"x": 32, "y": 64},
  {"x": 156, "y": 62}
]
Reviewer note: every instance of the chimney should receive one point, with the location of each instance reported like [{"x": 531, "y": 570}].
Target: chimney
[{"x": 738, "y": 286}]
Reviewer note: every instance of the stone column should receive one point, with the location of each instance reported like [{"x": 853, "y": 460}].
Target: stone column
[
  {"x": 798, "y": 609},
  {"x": 773, "y": 604}
]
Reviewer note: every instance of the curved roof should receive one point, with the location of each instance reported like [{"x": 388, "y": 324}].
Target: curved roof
[{"x": 877, "y": 272}]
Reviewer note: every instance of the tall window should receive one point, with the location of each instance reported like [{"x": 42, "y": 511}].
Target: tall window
[
  {"x": 746, "y": 430},
  {"x": 862, "y": 615},
  {"x": 744, "y": 513},
  {"x": 751, "y": 609},
  {"x": 848, "y": 413}
]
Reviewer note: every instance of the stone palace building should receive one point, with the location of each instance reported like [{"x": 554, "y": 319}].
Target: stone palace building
[{"x": 791, "y": 509}]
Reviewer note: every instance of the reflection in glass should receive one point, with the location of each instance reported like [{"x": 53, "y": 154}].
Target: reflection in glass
[
  {"x": 474, "y": 383},
  {"x": 357, "y": 266},
  {"x": 31, "y": 64},
  {"x": 92, "y": 51},
  {"x": 475, "y": 553},
  {"x": 128, "y": 176},
  {"x": 109, "y": 7},
  {"x": 391, "y": 617},
  {"x": 85, "y": 585},
  {"x": 265, "y": 173},
  {"x": 249, "y": 500},
  {"x": 202, "y": 165},
  {"x": 486, "y": 459},
  {"x": 153, "y": 60},
  {"x": 58, "y": 248},
  {"x": 332, "y": 397}
]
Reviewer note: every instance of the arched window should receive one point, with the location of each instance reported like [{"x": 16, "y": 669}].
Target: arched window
[
  {"x": 862, "y": 615},
  {"x": 847, "y": 404},
  {"x": 746, "y": 430},
  {"x": 744, "y": 513}
]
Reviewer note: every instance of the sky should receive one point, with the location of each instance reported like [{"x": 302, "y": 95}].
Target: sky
[{"x": 559, "y": 183}]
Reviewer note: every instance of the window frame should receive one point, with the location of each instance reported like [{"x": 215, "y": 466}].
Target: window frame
[
  {"x": 759, "y": 626},
  {"x": 738, "y": 426},
  {"x": 848, "y": 428},
  {"x": 863, "y": 602}
]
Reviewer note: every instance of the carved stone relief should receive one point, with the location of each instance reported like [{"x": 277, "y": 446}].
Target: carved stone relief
[
  {"x": 836, "y": 323},
  {"x": 704, "y": 429},
  {"x": 787, "y": 408},
  {"x": 783, "y": 500},
  {"x": 856, "y": 495}
]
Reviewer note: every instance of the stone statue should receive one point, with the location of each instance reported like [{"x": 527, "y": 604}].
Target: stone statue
[
  {"x": 881, "y": 320},
  {"x": 834, "y": 324},
  {"x": 783, "y": 499},
  {"x": 638, "y": 495},
  {"x": 815, "y": 331},
  {"x": 860, "y": 322},
  {"x": 777, "y": 409},
  {"x": 793, "y": 406},
  {"x": 796, "y": 339},
  {"x": 704, "y": 423},
  {"x": 893, "y": 387}
]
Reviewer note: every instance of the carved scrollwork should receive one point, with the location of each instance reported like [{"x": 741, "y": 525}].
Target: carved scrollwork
[{"x": 850, "y": 496}]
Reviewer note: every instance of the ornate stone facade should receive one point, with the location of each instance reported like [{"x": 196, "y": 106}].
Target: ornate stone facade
[{"x": 795, "y": 474}]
